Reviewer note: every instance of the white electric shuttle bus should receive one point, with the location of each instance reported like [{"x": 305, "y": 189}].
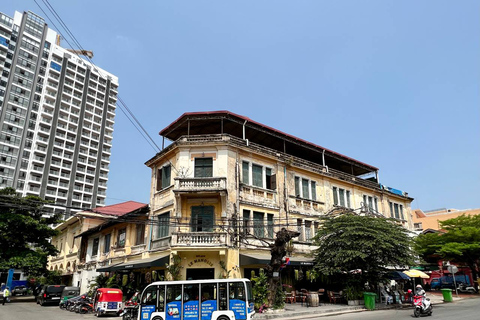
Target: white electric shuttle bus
[{"x": 216, "y": 299}]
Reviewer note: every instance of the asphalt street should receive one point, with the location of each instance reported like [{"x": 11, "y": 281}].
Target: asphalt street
[{"x": 467, "y": 309}]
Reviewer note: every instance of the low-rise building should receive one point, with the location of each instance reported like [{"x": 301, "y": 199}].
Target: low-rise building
[
  {"x": 96, "y": 237},
  {"x": 424, "y": 221}
]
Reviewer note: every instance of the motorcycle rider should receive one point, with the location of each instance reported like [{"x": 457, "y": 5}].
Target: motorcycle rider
[{"x": 420, "y": 292}]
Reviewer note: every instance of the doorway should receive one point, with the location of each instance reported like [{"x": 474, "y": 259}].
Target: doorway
[{"x": 200, "y": 273}]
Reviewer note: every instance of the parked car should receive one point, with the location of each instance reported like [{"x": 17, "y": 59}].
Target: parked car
[
  {"x": 19, "y": 291},
  {"x": 50, "y": 294},
  {"x": 68, "y": 292}
]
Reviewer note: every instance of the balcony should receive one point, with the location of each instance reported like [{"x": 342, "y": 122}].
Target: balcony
[
  {"x": 200, "y": 184},
  {"x": 256, "y": 195},
  {"x": 200, "y": 239}
]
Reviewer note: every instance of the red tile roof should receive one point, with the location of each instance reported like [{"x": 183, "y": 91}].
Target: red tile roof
[{"x": 120, "y": 209}]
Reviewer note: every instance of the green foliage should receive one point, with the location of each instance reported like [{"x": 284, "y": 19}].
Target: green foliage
[
  {"x": 99, "y": 281},
  {"x": 279, "y": 301},
  {"x": 24, "y": 233},
  {"x": 51, "y": 277},
  {"x": 175, "y": 267},
  {"x": 460, "y": 243},
  {"x": 260, "y": 289},
  {"x": 225, "y": 274},
  {"x": 366, "y": 244},
  {"x": 353, "y": 293}
]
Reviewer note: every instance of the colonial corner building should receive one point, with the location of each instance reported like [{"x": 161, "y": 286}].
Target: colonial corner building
[{"x": 220, "y": 192}]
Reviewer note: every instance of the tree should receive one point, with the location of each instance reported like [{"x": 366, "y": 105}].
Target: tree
[
  {"x": 361, "y": 247},
  {"x": 460, "y": 242},
  {"x": 278, "y": 250},
  {"x": 25, "y": 233}
]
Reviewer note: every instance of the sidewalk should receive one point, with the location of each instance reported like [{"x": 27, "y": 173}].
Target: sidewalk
[{"x": 299, "y": 311}]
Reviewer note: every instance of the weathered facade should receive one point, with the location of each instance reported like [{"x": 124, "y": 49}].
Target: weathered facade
[
  {"x": 226, "y": 184},
  {"x": 103, "y": 236}
]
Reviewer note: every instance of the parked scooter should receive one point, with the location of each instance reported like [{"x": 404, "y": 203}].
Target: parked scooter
[
  {"x": 130, "y": 311},
  {"x": 462, "y": 287},
  {"x": 422, "y": 306}
]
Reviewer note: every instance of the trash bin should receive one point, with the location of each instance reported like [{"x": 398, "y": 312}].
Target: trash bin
[
  {"x": 447, "y": 295},
  {"x": 369, "y": 298}
]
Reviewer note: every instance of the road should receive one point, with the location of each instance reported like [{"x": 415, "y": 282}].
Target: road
[
  {"x": 467, "y": 309},
  {"x": 32, "y": 311}
]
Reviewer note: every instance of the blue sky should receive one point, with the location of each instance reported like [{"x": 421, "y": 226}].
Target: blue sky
[{"x": 394, "y": 84}]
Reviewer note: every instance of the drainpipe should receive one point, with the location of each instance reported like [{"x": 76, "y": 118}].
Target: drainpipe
[
  {"x": 150, "y": 234},
  {"x": 244, "y": 129},
  {"x": 323, "y": 157},
  {"x": 285, "y": 196},
  {"x": 376, "y": 177}
]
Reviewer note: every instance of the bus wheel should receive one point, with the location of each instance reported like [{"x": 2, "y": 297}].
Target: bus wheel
[
  {"x": 157, "y": 318},
  {"x": 223, "y": 318}
]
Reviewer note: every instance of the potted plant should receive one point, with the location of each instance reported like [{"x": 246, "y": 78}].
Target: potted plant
[{"x": 353, "y": 295}]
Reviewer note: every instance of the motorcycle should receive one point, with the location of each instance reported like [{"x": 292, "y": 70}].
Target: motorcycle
[
  {"x": 86, "y": 307},
  {"x": 464, "y": 288},
  {"x": 130, "y": 310},
  {"x": 422, "y": 306}
]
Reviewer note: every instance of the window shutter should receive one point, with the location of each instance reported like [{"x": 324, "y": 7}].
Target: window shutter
[
  {"x": 257, "y": 175},
  {"x": 341, "y": 194},
  {"x": 245, "y": 172},
  {"x": 297, "y": 187}
]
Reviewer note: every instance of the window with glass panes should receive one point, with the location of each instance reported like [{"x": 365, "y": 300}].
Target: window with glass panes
[
  {"x": 140, "y": 234},
  {"x": 202, "y": 219},
  {"x": 203, "y": 167},
  {"x": 305, "y": 188},
  {"x": 370, "y": 202},
  {"x": 96, "y": 241},
  {"x": 396, "y": 210},
  {"x": 341, "y": 197},
  {"x": 245, "y": 172},
  {"x": 163, "y": 225},
  {"x": 270, "y": 225},
  {"x": 246, "y": 221},
  {"x": 300, "y": 229},
  {"x": 258, "y": 224},
  {"x": 121, "y": 238},
  {"x": 106, "y": 248},
  {"x": 258, "y": 176},
  {"x": 308, "y": 230}
]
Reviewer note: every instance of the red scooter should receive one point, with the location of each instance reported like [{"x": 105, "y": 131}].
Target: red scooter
[{"x": 422, "y": 306}]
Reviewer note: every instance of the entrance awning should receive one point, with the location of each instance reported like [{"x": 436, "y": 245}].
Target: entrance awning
[
  {"x": 253, "y": 258},
  {"x": 107, "y": 268},
  {"x": 137, "y": 264}
]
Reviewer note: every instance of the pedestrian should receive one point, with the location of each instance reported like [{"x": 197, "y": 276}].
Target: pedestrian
[{"x": 6, "y": 295}]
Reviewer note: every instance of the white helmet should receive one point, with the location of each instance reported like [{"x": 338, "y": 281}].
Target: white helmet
[{"x": 419, "y": 286}]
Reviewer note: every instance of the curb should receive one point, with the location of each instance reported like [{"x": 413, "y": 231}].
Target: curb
[{"x": 307, "y": 314}]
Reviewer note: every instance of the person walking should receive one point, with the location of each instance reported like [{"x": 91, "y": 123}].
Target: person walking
[{"x": 6, "y": 295}]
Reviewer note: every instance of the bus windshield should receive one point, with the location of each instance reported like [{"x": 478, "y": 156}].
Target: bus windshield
[{"x": 198, "y": 299}]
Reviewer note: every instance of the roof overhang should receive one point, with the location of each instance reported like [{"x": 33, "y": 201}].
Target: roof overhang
[{"x": 226, "y": 122}]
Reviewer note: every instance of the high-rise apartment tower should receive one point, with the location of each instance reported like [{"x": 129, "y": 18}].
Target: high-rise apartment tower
[{"x": 57, "y": 113}]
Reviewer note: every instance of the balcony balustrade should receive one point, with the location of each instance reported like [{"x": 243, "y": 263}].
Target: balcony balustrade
[
  {"x": 200, "y": 239},
  {"x": 200, "y": 184}
]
